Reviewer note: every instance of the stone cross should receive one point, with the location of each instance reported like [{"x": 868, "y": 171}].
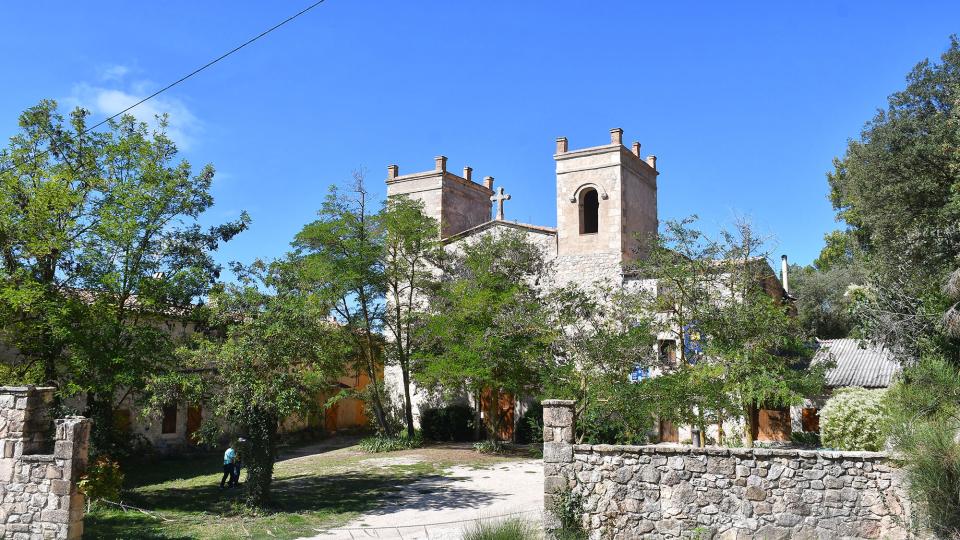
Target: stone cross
[{"x": 499, "y": 198}]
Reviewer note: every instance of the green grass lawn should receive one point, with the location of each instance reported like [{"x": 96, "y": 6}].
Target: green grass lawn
[{"x": 310, "y": 492}]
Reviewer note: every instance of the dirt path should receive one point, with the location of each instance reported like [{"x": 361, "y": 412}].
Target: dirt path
[{"x": 443, "y": 506}]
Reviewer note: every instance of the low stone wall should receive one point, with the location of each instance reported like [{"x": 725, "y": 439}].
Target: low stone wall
[
  {"x": 40, "y": 463},
  {"x": 660, "y": 491}
]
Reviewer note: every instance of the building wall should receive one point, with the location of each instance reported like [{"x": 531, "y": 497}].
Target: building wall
[{"x": 678, "y": 491}]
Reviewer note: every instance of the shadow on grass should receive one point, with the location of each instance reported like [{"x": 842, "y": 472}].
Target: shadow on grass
[
  {"x": 106, "y": 523},
  {"x": 332, "y": 494}
]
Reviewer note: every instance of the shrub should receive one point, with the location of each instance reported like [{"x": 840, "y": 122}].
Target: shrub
[
  {"x": 806, "y": 439},
  {"x": 509, "y": 529},
  {"x": 568, "y": 509},
  {"x": 450, "y": 423},
  {"x": 382, "y": 443},
  {"x": 530, "y": 427},
  {"x": 854, "y": 419},
  {"x": 102, "y": 480},
  {"x": 488, "y": 447}
]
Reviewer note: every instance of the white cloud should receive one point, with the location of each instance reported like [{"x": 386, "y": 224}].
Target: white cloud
[
  {"x": 105, "y": 101},
  {"x": 114, "y": 73}
]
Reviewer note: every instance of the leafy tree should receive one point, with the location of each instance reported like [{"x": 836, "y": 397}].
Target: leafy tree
[
  {"x": 110, "y": 232},
  {"x": 601, "y": 335},
  {"x": 411, "y": 249},
  {"x": 823, "y": 298},
  {"x": 742, "y": 347},
  {"x": 272, "y": 351},
  {"x": 898, "y": 185},
  {"x": 486, "y": 330},
  {"x": 51, "y": 189},
  {"x": 342, "y": 257},
  {"x": 754, "y": 336}
]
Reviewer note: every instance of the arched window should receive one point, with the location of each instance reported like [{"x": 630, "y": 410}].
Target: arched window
[{"x": 589, "y": 212}]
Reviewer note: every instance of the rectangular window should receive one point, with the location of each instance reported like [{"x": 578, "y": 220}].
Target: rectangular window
[
  {"x": 810, "y": 420},
  {"x": 667, "y": 352},
  {"x": 169, "y": 419}
]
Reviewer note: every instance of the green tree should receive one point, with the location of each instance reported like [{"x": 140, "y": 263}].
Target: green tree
[
  {"x": 823, "y": 298},
  {"x": 51, "y": 189},
  {"x": 486, "y": 330},
  {"x": 272, "y": 351},
  {"x": 104, "y": 255},
  {"x": 411, "y": 250},
  {"x": 342, "y": 256},
  {"x": 600, "y": 336}
]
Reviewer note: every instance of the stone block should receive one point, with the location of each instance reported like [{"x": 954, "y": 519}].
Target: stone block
[{"x": 557, "y": 452}]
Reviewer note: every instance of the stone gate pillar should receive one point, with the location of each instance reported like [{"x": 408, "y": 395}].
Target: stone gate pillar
[{"x": 558, "y": 433}]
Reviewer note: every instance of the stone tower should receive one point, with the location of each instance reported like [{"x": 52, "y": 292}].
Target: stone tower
[
  {"x": 456, "y": 202},
  {"x": 606, "y": 198}
]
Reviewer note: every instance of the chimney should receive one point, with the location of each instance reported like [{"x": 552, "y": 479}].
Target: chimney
[
  {"x": 652, "y": 161},
  {"x": 392, "y": 171},
  {"x": 783, "y": 274},
  {"x": 561, "y": 145},
  {"x": 441, "y": 163},
  {"x": 616, "y": 136},
  {"x": 636, "y": 148},
  {"x": 468, "y": 173},
  {"x": 488, "y": 182}
]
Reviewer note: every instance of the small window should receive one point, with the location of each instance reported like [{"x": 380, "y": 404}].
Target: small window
[
  {"x": 667, "y": 352},
  {"x": 589, "y": 212},
  {"x": 810, "y": 420},
  {"x": 169, "y": 419}
]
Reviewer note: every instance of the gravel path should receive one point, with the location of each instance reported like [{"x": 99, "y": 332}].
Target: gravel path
[{"x": 442, "y": 507}]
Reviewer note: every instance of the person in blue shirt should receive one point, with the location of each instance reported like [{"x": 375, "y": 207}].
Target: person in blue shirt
[{"x": 229, "y": 457}]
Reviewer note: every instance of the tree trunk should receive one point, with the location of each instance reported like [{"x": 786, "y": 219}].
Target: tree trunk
[
  {"x": 477, "y": 417},
  {"x": 407, "y": 402},
  {"x": 750, "y": 420},
  {"x": 257, "y": 454}
]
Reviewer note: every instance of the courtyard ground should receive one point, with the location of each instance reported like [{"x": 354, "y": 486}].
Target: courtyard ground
[{"x": 318, "y": 487}]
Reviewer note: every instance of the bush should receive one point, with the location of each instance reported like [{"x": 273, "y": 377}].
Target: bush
[
  {"x": 530, "y": 427},
  {"x": 568, "y": 509},
  {"x": 102, "y": 480},
  {"x": 509, "y": 529},
  {"x": 854, "y": 419},
  {"x": 488, "y": 447},
  {"x": 382, "y": 443},
  {"x": 806, "y": 439},
  {"x": 450, "y": 423}
]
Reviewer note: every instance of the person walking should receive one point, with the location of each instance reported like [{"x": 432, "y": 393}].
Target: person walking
[{"x": 229, "y": 458}]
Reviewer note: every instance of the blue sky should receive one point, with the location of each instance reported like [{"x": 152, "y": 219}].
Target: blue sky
[{"x": 744, "y": 103}]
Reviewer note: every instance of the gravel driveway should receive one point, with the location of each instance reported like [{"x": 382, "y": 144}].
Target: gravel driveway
[{"x": 442, "y": 507}]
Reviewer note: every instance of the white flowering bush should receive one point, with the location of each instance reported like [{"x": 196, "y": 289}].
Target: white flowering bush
[{"x": 854, "y": 419}]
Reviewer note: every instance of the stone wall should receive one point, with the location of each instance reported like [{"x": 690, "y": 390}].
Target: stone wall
[
  {"x": 40, "y": 464},
  {"x": 658, "y": 491}
]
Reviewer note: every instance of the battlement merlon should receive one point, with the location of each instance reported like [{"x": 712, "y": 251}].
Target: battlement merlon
[{"x": 441, "y": 173}]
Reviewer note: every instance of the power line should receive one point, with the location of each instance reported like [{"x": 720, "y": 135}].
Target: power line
[{"x": 189, "y": 75}]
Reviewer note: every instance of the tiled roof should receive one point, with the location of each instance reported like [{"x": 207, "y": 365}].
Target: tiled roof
[{"x": 859, "y": 363}]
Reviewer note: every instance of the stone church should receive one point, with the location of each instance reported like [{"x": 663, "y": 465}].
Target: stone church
[{"x": 606, "y": 199}]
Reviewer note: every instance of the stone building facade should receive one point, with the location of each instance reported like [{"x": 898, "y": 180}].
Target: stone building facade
[
  {"x": 606, "y": 199},
  {"x": 657, "y": 491},
  {"x": 40, "y": 464}
]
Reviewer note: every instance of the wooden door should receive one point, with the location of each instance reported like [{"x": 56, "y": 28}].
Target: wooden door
[
  {"x": 773, "y": 424},
  {"x": 194, "y": 419},
  {"x": 330, "y": 417},
  {"x": 669, "y": 432}
]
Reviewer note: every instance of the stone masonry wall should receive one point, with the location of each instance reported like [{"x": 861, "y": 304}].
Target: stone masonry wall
[
  {"x": 40, "y": 463},
  {"x": 660, "y": 491}
]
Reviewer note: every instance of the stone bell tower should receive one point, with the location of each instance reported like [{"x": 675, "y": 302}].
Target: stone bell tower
[
  {"x": 456, "y": 202},
  {"x": 606, "y": 198}
]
